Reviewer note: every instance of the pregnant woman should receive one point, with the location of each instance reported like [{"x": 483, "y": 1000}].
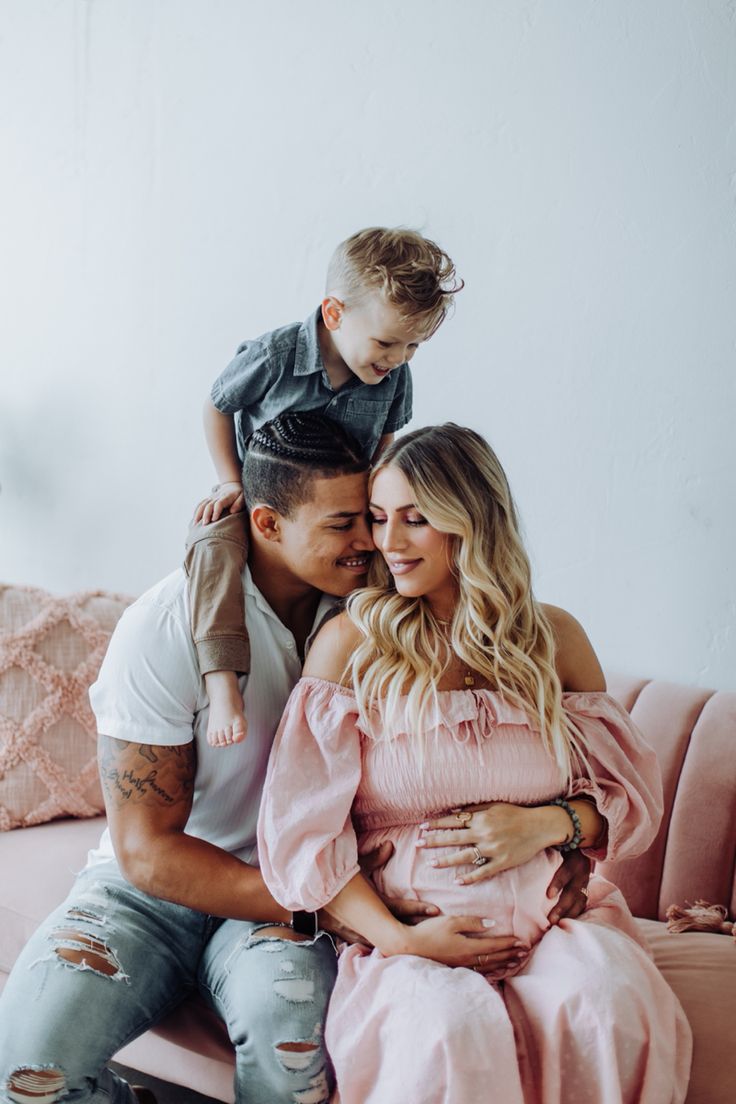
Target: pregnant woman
[{"x": 449, "y": 713}]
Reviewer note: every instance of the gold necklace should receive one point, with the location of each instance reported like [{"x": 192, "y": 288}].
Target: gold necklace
[{"x": 468, "y": 677}]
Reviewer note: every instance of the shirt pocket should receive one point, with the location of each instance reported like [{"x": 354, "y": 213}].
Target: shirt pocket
[{"x": 368, "y": 412}]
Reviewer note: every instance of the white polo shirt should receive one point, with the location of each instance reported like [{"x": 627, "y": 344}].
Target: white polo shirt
[{"x": 150, "y": 691}]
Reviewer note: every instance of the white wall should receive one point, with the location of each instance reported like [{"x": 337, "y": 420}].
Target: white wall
[{"x": 175, "y": 174}]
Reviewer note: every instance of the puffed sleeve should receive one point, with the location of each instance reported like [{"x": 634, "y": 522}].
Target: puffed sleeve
[
  {"x": 624, "y": 779},
  {"x": 306, "y": 843}
]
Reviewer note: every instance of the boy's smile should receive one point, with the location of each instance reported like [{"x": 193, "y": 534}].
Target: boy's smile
[{"x": 367, "y": 340}]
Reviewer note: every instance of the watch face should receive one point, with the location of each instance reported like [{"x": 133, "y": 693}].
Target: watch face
[{"x": 305, "y": 923}]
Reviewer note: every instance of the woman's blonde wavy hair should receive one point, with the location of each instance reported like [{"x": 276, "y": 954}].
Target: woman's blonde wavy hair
[{"x": 498, "y": 629}]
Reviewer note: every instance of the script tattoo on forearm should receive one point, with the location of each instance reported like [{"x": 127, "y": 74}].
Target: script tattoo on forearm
[{"x": 136, "y": 772}]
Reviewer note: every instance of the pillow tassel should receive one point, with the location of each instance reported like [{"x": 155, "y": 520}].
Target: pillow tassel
[{"x": 700, "y": 916}]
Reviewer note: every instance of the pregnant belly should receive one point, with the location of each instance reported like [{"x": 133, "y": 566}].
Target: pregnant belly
[{"x": 515, "y": 899}]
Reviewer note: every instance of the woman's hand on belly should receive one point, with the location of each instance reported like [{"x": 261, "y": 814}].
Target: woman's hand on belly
[
  {"x": 493, "y": 838},
  {"x": 463, "y": 941}
]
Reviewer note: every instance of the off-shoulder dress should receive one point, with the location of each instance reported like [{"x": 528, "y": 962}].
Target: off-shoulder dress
[{"x": 586, "y": 1017}]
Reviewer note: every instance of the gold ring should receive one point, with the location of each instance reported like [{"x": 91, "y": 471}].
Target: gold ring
[{"x": 464, "y": 816}]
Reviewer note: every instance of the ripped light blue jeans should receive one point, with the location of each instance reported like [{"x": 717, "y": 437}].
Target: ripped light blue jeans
[{"x": 62, "y": 1019}]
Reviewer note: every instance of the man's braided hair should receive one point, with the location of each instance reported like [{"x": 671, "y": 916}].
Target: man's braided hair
[{"x": 285, "y": 455}]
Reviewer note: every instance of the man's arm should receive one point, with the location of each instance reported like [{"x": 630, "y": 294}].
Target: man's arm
[{"x": 148, "y": 793}]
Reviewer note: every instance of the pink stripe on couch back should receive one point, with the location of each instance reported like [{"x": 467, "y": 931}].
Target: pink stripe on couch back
[{"x": 694, "y": 855}]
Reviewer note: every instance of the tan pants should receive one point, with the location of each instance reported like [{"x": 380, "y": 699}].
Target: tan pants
[{"x": 214, "y": 562}]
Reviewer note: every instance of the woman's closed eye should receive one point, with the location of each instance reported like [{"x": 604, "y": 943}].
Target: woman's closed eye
[{"x": 378, "y": 519}]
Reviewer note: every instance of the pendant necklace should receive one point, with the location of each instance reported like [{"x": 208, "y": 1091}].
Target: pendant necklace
[{"x": 468, "y": 677}]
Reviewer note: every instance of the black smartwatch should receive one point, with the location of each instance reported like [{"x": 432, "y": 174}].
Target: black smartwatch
[{"x": 305, "y": 923}]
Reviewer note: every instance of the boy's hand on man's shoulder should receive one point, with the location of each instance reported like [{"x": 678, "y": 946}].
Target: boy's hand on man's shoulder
[{"x": 225, "y": 498}]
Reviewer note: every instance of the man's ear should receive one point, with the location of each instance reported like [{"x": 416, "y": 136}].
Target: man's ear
[
  {"x": 266, "y": 522},
  {"x": 332, "y": 309}
]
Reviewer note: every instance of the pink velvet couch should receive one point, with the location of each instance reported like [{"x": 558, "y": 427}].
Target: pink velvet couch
[{"x": 694, "y": 733}]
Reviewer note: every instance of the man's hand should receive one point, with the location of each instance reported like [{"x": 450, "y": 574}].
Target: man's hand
[
  {"x": 409, "y": 912},
  {"x": 228, "y": 498},
  {"x": 572, "y": 879}
]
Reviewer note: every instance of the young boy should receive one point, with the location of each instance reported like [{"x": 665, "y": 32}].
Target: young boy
[{"x": 387, "y": 291}]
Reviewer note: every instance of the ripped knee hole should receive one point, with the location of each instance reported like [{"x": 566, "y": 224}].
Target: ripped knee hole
[
  {"x": 36, "y": 1086},
  {"x": 88, "y": 951},
  {"x": 279, "y": 933}
]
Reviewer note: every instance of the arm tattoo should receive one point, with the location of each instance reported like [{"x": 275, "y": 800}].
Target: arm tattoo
[{"x": 133, "y": 773}]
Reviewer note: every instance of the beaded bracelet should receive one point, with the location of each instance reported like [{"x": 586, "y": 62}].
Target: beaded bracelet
[{"x": 574, "y": 842}]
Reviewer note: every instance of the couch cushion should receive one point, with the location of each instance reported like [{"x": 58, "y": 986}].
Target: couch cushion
[
  {"x": 693, "y": 856},
  {"x": 37, "y": 868},
  {"x": 50, "y": 652},
  {"x": 701, "y": 968}
]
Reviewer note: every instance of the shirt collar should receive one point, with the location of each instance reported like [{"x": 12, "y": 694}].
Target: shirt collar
[
  {"x": 308, "y": 358},
  {"x": 326, "y": 602}
]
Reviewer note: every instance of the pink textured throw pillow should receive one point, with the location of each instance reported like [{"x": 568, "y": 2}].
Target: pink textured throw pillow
[{"x": 50, "y": 652}]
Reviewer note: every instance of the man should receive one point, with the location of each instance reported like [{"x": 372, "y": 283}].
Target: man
[{"x": 171, "y": 900}]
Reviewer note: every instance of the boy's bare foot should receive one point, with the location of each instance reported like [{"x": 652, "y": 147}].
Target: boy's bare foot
[{"x": 227, "y": 723}]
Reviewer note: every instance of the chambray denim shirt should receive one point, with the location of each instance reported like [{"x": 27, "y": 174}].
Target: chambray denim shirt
[{"x": 283, "y": 370}]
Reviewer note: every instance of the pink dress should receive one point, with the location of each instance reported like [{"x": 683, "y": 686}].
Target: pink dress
[{"x": 586, "y": 1018}]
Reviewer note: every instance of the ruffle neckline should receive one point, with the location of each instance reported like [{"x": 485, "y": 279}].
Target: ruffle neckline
[{"x": 479, "y": 710}]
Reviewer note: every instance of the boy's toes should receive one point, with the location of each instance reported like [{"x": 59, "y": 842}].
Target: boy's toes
[
  {"x": 232, "y": 733},
  {"x": 239, "y": 730}
]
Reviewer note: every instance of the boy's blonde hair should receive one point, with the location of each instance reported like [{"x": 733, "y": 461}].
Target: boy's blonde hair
[{"x": 414, "y": 274}]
